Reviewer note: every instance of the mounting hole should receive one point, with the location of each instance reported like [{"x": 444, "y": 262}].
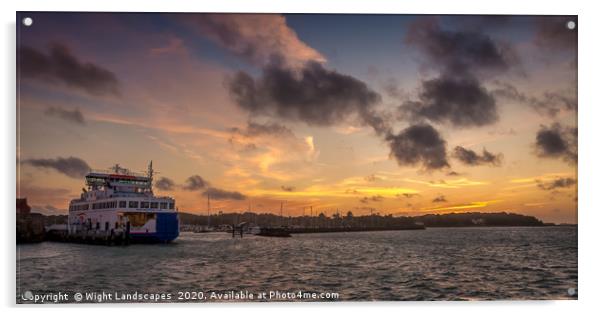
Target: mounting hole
[
  {"x": 572, "y": 291},
  {"x": 27, "y": 21},
  {"x": 571, "y": 25}
]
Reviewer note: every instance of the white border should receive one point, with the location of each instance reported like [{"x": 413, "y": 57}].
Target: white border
[{"x": 589, "y": 149}]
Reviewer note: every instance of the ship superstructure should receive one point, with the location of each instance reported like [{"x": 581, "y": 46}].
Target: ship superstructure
[{"x": 119, "y": 202}]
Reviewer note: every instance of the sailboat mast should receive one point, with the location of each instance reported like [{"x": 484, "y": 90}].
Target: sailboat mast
[
  {"x": 281, "y": 213},
  {"x": 208, "y": 211}
]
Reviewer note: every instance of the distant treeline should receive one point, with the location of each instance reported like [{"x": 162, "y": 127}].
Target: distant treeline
[
  {"x": 477, "y": 219},
  {"x": 350, "y": 220},
  {"x": 377, "y": 220}
]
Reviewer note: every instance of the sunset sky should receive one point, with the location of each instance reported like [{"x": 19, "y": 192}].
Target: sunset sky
[{"x": 402, "y": 115}]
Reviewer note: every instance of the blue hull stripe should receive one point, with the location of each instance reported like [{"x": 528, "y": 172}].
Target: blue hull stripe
[{"x": 168, "y": 229}]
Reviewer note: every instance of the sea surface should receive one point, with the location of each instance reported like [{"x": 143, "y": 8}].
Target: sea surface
[{"x": 515, "y": 263}]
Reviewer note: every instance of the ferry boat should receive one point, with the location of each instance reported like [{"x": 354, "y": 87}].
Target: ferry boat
[{"x": 118, "y": 202}]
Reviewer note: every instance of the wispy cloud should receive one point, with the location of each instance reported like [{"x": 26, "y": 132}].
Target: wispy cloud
[
  {"x": 73, "y": 116},
  {"x": 470, "y": 205},
  {"x": 558, "y": 183},
  {"x": 71, "y": 166},
  {"x": 448, "y": 184},
  {"x": 254, "y": 37},
  {"x": 219, "y": 194},
  {"x": 61, "y": 66}
]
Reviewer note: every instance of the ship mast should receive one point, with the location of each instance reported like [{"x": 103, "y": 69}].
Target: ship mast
[{"x": 150, "y": 176}]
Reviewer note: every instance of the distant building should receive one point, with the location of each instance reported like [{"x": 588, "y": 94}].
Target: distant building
[
  {"x": 30, "y": 226},
  {"x": 22, "y": 208}
]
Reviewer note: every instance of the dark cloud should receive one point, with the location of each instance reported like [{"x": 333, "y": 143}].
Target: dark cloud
[
  {"x": 165, "y": 184},
  {"x": 439, "y": 199},
  {"x": 419, "y": 144},
  {"x": 550, "y": 104},
  {"x": 557, "y": 184},
  {"x": 287, "y": 188},
  {"x": 219, "y": 194},
  {"x": 313, "y": 94},
  {"x": 72, "y": 166},
  {"x": 463, "y": 51},
  {"x": 60, "y": 65},
  {"x": 552, "y": 32},
  {"x": 470, "y": 157},
  {"x": 257, "y": 129},
  {"x": 74, "y": 116},
  {"x": 194, "y": 183},
  {"x": 460, "y": 101},
  {"x": 463, "y": 59},
  {"x": 375, "y": 198},
  {"x": 557, "y": 141}
]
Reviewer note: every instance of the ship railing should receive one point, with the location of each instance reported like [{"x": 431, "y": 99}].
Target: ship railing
[{"x": 127, "y": 173}]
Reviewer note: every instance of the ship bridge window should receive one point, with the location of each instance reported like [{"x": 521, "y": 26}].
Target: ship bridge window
[
  {"x": 163, "y": 205},
  {"x": 122, "y": 204},
  {"x": 154, "y": 205},
  {"x": 144, "y": 204},
  {"x": 133, "y": 204}
]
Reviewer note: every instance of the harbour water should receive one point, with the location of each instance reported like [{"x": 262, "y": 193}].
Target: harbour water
[{"x": 510, "y": 263}]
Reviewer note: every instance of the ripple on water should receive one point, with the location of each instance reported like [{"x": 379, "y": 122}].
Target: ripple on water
[{"x": 434, "y": 264}]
